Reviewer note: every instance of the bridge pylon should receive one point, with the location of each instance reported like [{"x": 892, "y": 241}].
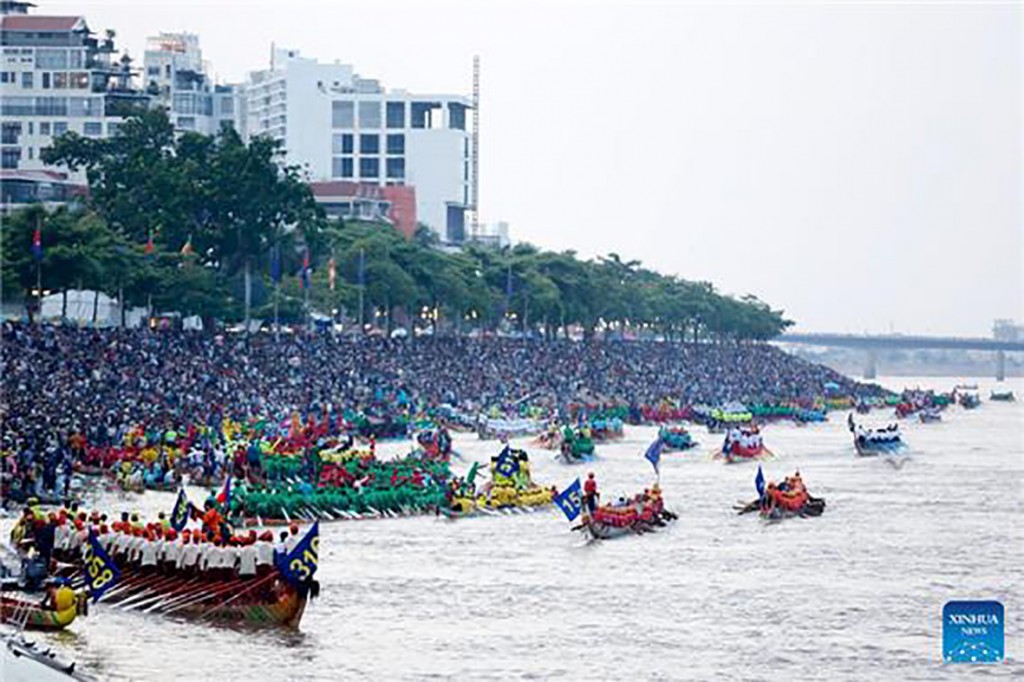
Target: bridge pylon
[{"x": 871, "y": 368}]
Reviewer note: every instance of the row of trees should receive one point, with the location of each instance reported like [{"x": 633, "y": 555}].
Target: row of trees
[{"x": 216, "y": 227}]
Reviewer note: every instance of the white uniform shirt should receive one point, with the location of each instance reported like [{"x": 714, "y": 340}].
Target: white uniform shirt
[
  {"x": 147, "y": 552},
  {"x": 189, "y": 555},
  {"x": 247, "y": 560},
  {"x": 264, "y": 553}
]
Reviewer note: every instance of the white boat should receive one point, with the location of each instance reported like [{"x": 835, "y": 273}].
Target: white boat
[{"x": 28, "y": 661}]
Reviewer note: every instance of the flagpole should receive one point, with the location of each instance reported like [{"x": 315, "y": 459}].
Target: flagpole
[
  {"x": 39, "y": 287},
  {"x": 362, "y": 287},
  {"x": 39, "y": 274},
  {"x": 277, "y": 323}
]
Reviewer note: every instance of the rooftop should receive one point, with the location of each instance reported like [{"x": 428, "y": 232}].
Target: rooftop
[{"x": 27, "y": 22}]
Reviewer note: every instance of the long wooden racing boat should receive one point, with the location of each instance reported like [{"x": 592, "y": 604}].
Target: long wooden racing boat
[{"x": 268, "y": 600}]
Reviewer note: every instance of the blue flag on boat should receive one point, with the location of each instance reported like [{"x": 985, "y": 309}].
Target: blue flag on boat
[
  {"x": 653, "y": 454},
  {"x": 507, "y": 464},
  {"x": 180, "y": 513},
  {"x": 300, "y": 564},
  {"x": 100, "y": 572},
  {"x": 570, "y": 500},
  {"x": 759, "y": 481}
]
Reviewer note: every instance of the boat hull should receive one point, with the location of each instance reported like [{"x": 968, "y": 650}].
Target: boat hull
[{"x": 12, "y": 609}]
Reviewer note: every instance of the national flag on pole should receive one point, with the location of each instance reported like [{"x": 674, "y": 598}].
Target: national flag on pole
[
  {"x": 150, "y": 246},
  {"x": 100, "y": 572},
  {"x": 301, "y": 563},
  {"x": 180, "y": 513},
  {"x": 305, "y": 269},
  {"x": 37, "y": 244},
  {"x": 653, "y": 454},
  {"x": 275, "y": 264},
  {"x": 759, "y": 482},
  {"x": 332, "y": 273},
  {"x": 224, "y": 496},
  {"x": 570, "y": 500}
]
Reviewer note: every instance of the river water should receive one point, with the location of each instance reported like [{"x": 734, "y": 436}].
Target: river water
[{"x": 855, "y": 594}]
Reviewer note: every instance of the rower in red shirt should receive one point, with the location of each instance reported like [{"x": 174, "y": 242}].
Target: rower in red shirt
[{"x": 590, "y": 493}]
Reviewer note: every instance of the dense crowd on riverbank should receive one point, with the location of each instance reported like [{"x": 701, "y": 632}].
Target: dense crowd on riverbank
[{"x": 65, "y": 388}]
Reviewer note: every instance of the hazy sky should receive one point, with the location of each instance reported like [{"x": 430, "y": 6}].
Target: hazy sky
[{"x": 858, "y": 165}]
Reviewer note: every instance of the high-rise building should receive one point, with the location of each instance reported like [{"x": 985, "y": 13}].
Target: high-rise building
[
  {"x": 175, "y": 75},
  {"x": 55, "y": 76},
  {"x": 339, "y": 126}
]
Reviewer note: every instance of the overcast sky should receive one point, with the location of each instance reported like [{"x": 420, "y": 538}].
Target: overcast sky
[{"x": 857, "y": 165}]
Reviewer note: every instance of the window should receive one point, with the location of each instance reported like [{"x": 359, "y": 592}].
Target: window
[
  {"x": 112, "y": 128},
  {"x": 369, "y": 167},
  {"x": 396, "y": 144},
  {"x": 59, "y": 128},
  {"x": 51, "y": 59},
  {"x": 186, "y": 123},
  {"x": 76, "y": 59},
  {"x": 46, "y": 81},
  {"x": 31, "y": 153},
  {"x": 31, "y": 128},
  {"x": 341, "y": 167},
  {"x": 9, "y": 157},
  {"x": 51, "y": 106},
  {"x": 342, "y": 144},
  {"x": 396, "y": 168},
  {"x": 456, "y": 116},
  {"x": 60, "y": 80},
  {"x": 44, "y": 127},
  {"x": 369, "y": 144},
  {"x": 93, "y": 128},
  {"x": 152, "y": 70},
  {"x": 26, "y": 79},
  {"x": 84, "y": 106},
  {"x": 342, "y": 115},
  {"x": 369, "y": 114},
  {"x": 9, "y": 133},
  {"x": 184, "y": 103},
  {"x": 16, "y": 106},
  {"x": 421, "y": 115},
  {"x": 79, "y": 80},
  {"x": 6, "y": 76},
  {"x": 396, "y": 114}
]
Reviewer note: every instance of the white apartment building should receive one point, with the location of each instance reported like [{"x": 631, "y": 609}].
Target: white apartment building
[
  {"x": 338, "y": 126},
  {"x": 175, "y": 76},
  {"x": 55, "y": 76}
]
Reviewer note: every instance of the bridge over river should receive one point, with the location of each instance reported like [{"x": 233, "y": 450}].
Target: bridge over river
[{"x": 873, "y": 343}]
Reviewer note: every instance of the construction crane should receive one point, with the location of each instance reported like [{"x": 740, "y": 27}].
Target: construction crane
[{"x": 474, "y": 160}]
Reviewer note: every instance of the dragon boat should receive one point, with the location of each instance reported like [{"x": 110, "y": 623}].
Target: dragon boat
[
  {"x": 747, "y": 446},
  {"x": 877, "y": 441},
  {"x": 787, "y": 500},
  {"x": 603, "y": 430},
  {"x": 268, "y": 600},
  {"x": 643, "y": 513},
  {"x": 676, "y": 438}
]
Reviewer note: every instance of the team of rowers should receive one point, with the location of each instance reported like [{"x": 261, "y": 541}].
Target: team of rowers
[{"x": 211, "y": 552}]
